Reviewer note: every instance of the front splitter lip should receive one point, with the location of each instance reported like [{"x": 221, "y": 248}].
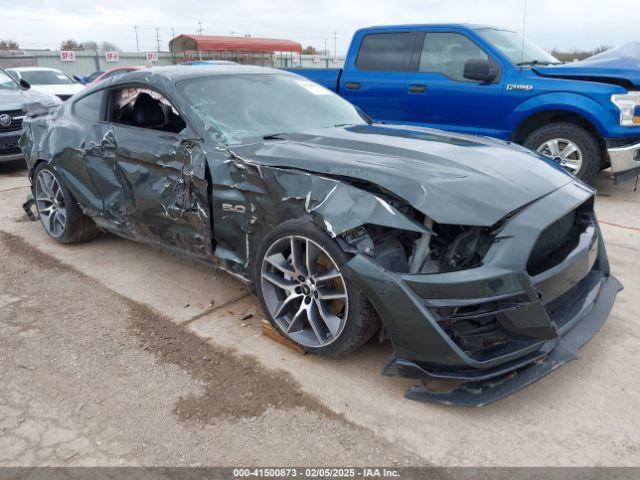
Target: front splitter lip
[{"x": 482, "y": 391}]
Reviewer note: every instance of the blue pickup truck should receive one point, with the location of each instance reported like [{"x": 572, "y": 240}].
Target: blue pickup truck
[{"x": 487, "y": 81}]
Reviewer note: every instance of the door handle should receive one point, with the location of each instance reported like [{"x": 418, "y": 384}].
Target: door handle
[
  {"x": 352, "y": 85},
  {"x": 417, "y": 88}
]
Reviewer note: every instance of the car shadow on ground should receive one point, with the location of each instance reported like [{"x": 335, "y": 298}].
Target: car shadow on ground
[{"x": 17, "y": 169}]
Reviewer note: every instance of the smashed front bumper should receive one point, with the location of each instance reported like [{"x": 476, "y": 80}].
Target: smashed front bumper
[
  {"x": 625, "y": 162},
  {"x": 475, "y": 388},
  {"x": 489, "y": 331}
]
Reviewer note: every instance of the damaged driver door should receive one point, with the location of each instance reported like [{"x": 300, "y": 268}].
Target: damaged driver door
[{"x": 163, "y": 182}]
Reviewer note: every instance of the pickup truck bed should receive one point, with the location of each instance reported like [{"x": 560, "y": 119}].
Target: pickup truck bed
[{"x": 328, "y": 78}]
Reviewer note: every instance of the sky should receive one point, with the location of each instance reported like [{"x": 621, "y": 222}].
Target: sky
[{"x": 563, "y": 24}]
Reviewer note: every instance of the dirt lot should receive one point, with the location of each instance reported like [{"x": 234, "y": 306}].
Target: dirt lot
[{"x": 112, "y": 353}]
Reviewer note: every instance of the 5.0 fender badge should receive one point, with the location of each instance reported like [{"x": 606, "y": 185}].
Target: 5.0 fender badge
[
  {"x": 517, "y": 86},
  {"x": 227, "y": 207}
]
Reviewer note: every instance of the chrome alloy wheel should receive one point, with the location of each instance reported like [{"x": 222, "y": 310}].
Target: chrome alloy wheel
[
  {"x": 564, "y": 152},
  {"x": 304, "y": 291},
  {"x": 50, "y": 204}
]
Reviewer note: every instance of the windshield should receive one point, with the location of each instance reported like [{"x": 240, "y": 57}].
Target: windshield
[
  {"x": 6, "y": 82},
  {"x": 46, "y": 77},
  {"x": 241, "y": 108},
  {"x": 510, "y": 44}
]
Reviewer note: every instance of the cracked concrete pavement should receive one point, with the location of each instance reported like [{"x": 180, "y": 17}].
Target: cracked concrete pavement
[{"x": 114, "y": 354}]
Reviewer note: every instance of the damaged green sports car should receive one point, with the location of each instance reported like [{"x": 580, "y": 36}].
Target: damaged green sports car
[{"x": 481, "y": 261}]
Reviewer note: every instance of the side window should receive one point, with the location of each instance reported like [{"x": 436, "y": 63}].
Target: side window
[
  {"x": 385, "y": 52},
  {"x": 144, "y": 108},
  {"x": 447, "y": 53},
  {"x": 90, "y": 107}
]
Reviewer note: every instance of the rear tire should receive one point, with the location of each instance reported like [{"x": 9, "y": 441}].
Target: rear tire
[
  {"x": 565, "y": 134},
  {"x": 323, "y": 327},
  {"x": 58, "y": 210}
]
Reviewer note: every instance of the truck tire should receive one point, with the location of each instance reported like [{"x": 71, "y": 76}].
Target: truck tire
[
  {"x": 304, "y": 294},
  {"x": 570, "y": 145},
  {"x": 58, "y": 210}
]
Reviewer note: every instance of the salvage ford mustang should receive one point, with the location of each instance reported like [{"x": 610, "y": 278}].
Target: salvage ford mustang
[{"x": 481, "y": 261}]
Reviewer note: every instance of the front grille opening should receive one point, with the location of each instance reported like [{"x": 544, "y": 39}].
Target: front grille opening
[
  {"x": 475, "y": 334},
  {"x": 559, "y": 239},
  {"x": 476, "y": 327}
]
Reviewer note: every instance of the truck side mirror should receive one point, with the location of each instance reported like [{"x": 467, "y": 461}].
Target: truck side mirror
[{"x": 480, "y": 70}]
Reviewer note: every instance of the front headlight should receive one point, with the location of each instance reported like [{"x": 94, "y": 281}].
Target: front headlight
[{"x": 629, "y": 105}]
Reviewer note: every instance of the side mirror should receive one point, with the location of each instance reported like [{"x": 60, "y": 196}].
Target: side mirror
[
  {"x": 480, "y": 70},
  {"x": 24, "y": 84},
  {"x": 78, "y": 79}
]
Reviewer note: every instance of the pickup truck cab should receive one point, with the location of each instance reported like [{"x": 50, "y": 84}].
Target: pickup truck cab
[{"x": 486, "y": 81}]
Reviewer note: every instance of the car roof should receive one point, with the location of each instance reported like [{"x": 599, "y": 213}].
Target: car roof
[
  {"x": 167, "y": 76},
  {"x": 124, "y": 67},
  {"x": 176, "y": 73},
  {"x": 34, "y": 69},
  {"x": 467, "y": 26}
]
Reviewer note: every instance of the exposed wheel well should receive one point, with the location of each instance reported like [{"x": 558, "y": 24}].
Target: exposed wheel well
[{"x": 33, "y": 168}]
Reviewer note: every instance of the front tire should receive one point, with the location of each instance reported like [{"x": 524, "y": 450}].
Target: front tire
[
  {"x": 571, "y": 145},
  {"x": 59, "y": 212},
  {"x": 304, "y": 294}
]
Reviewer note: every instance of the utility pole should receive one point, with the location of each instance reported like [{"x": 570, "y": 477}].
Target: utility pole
[
  {"x": 135, "y": 28},
  {"x": 199, "y": 27},
  {"x": 158, "y": 38},
  {"x": 335, "y": 44},
  {"x": 173, "y": 32},
  {"x": 326, "y": 54}
]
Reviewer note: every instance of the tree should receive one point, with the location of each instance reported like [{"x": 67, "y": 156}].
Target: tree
[
  {"x": 577, "y": 54},
  {"x": 310, "y": 50},
  {"x": 71, "y": 45},
  {"x": 109, "y": 47},
  {"x": 9, "y": 45},
  {"x": 90, "y": 46}
]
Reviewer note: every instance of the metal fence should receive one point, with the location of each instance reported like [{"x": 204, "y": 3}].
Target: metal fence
[{"x": 87, "y": 62}]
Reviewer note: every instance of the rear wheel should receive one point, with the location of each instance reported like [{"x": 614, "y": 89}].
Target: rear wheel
[
  {"x": 59, "y": 212},
  {"x": 305, "y": 295},
  {"x": 570, "y": 145}
]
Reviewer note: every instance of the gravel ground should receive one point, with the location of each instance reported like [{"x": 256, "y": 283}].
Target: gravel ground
[{"x": 92, "y": 378}]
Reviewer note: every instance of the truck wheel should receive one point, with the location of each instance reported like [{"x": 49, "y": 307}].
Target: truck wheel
[
  {"x": 59, "y": 212},
  {"x": 571, "y": 146},
  {"x": 304, "y": 294}
]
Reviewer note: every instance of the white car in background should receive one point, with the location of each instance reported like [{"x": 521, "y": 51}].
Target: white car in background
[{"x": 48, "y": 80}]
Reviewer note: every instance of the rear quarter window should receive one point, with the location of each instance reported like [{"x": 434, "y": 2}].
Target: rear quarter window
[
  {"x": 385, "y": 52},
  {"x": 90, "y": 107}
]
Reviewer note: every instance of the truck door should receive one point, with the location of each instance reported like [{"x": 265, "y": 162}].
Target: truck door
[
  {"x": 375, "y": 78},
  {"x": 439, "y": 96}
]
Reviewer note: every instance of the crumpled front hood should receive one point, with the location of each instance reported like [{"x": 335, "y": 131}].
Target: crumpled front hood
[
  {"x": 618, "y": 64},
  {"x": 455, "y": 179}
]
